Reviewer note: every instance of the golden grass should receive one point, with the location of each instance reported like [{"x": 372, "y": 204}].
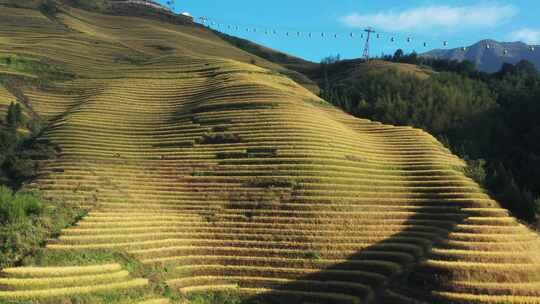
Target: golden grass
[
  {"x": 208, "y": 288},
  {"x": 155, "y": 301},
  {"x": 489, "y": 299},
  {"x": 61, "y": 271},
  {"x": 62, "y": 281},
  {"x": 68, "y": 291}
]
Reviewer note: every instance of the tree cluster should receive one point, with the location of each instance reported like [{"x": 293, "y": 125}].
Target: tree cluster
[
  {"x": 20, "y": 150},
  {"x": 26, "y": 219},
  {"x": 14, "y": 116},
  {"x": 492, "y": 121}
]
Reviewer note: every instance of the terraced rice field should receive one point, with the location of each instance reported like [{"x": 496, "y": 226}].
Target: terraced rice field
[
  {"x": 34, "y": 283},
  {"x": 234, "y": 178}
]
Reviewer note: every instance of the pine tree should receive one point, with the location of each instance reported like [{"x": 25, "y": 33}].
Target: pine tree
[
  {"x": 14, "y": 116},
  {"x": 10, "y": 116},
  {"x": 18, "y": 114}
]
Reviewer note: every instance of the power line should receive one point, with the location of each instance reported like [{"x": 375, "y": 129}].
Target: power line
[
  {"x": 299, "y": 34},
  {"x": 306, "y": 34}
]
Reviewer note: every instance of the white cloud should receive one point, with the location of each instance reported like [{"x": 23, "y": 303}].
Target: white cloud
[
  {"x": 526, "y": 35},
  {"x": 434, "y": 16}
]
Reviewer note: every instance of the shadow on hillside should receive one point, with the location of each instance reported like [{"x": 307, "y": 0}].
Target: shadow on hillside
[{"x": 415, "y": 242}]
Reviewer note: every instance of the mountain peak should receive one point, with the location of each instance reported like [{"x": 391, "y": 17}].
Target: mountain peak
[
  {"x": 487, "y": 41},
  {"x": 489, "y": 55}
]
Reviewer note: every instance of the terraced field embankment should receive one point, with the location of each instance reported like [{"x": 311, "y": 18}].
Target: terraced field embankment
[{"x": 231, "y": 177}]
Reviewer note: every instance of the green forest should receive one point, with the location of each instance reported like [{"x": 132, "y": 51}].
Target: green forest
[
  {"x": 490, "y": 120},
  {"x": 27, "y": 220}
]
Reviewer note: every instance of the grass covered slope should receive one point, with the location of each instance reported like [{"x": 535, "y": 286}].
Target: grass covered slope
[{"x": 224, "y": 177}]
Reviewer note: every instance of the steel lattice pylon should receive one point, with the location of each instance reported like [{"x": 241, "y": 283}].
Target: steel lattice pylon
[{"x": 369, "y": 31}]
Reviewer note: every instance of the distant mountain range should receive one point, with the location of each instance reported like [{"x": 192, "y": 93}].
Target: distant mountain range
[{"x": 490, "y": 59}]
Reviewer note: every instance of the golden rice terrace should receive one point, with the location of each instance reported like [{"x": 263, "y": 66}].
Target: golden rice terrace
[{"x": 230, "y": 178}]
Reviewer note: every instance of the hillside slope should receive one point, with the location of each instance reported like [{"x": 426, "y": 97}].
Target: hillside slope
[
  {"x": 312, "y": 75},
  {"x": 301, "y": 71},
  {"x": 219, "y": 175}
]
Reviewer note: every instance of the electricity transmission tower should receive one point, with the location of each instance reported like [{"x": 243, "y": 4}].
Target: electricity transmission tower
[
  {"x": 204, "y": 21},
  {"x": 369, "y": 31}
]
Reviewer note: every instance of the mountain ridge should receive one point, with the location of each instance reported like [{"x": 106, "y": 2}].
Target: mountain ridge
[{"x": 489, "y": 55}]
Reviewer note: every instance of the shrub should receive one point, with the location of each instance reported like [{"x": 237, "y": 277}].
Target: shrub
[
  {"x": 261, "y": 152},
  {"x": 128, "y": 60},
  {"x": 220, "y": 138},
  {"x": 202, "y": 173},
  {"x": 476, "y": 169},
  {"x": 14, "y": 116},
  {"x": 15, "y": 208},
  {"x": 266, "y": 199},
  {"x": 17, "y": 241},
  {"x": 43, "y": 70},
  {"x": 219, "y": 129},
  {"x": 163, "y": 48},
  {"x": 271, "y": 183},
  {"x": 48, "y": 8},
  {"x": 313, "y": 255},
  {"x": 35, "y": 126},
  {"x": 223, "y": 297},
  {"x": 26, "y": 221},
  {"x": 230, "y": 155}
]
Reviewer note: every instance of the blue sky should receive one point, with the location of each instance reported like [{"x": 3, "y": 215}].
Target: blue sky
[{"x": 459, "y": 22}]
